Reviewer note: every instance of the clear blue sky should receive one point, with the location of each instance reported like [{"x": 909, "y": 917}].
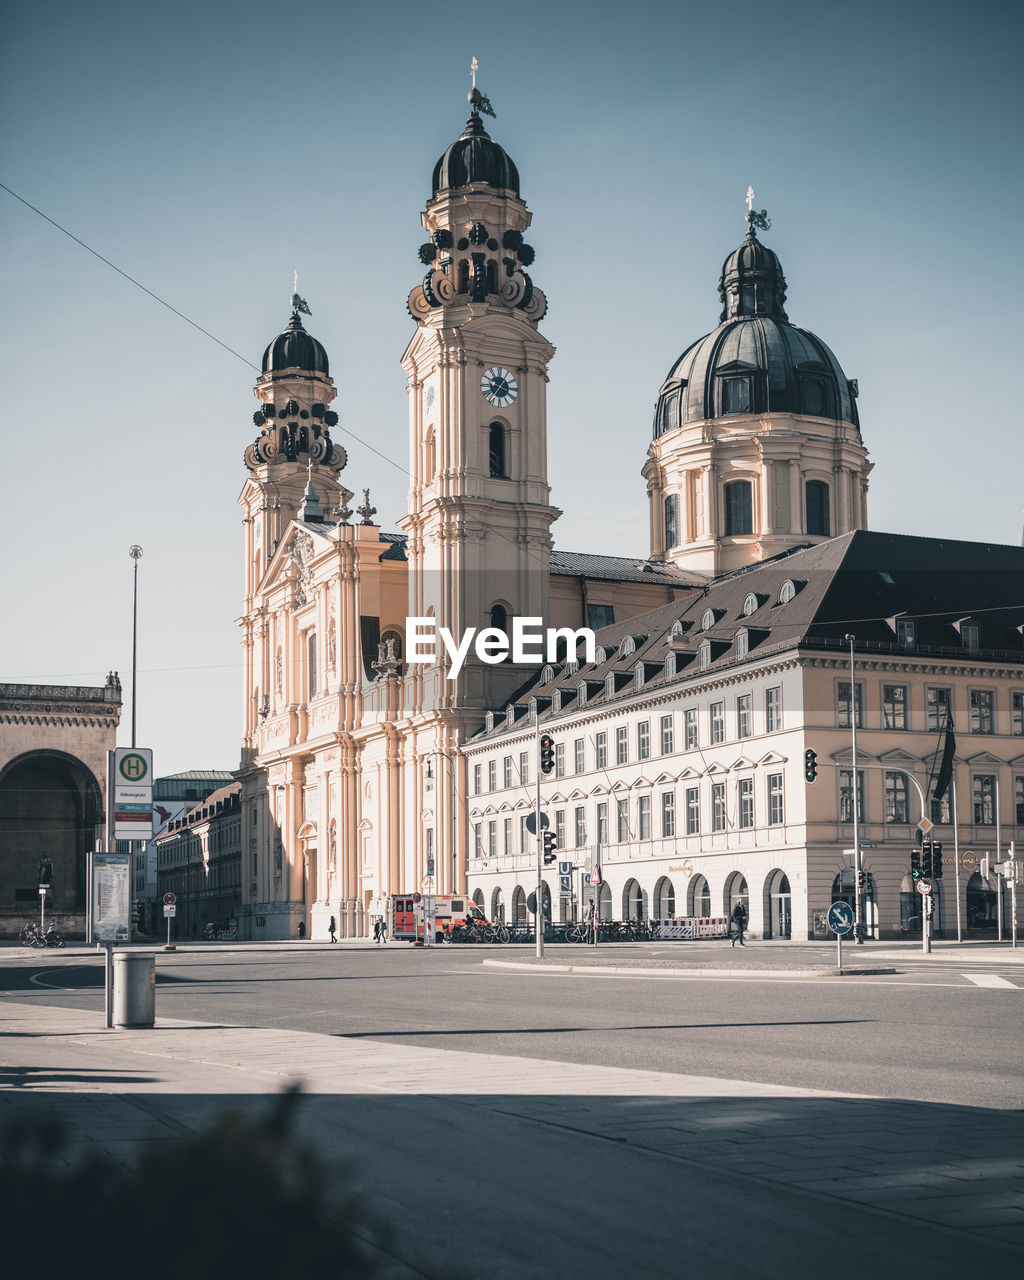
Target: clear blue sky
[{"x": 210, "y": 149}]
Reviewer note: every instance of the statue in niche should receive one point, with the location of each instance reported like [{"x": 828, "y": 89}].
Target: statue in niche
[
  {"x": 279, "y": 670},
  {"x": 332, "y": 645}
]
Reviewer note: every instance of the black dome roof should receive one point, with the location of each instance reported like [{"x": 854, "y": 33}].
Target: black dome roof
[
  {"x": 295, "y": 349},
  {"x": 755, "y": 362},
  {"x": 475, "y": 157}
]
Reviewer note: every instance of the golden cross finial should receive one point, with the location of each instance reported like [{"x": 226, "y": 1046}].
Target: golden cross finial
[
  {"x": 750, "y": 198},
  {"x": 474, "y": 67}
]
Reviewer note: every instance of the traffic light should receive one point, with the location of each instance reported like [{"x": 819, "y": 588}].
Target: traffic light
[
  {"x": 915, "y": 861},
  {"x": 810, "y": 764},
  {"x": 547, "y": 753},
  {"x": 862, "y": 882},
  {"x": 550, "y": 843},
  {"x": 936, "y": 860},
  {"x": 926, "y": 859}
]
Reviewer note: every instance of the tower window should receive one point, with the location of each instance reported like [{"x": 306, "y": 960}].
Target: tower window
[
  {"x": 739, "y": 508},
  {"x": 311, "y": 655},
  {"x": 818, "y": 522},
  {"x": 499, "y": 617},
  {"x": 814, "y": 397},
  {"x": 671, "y": 521},
  {"x": 497, "y": 451},
  {"x": 736, "y": 395}
]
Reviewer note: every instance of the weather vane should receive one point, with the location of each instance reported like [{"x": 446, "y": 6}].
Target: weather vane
[
  {"x": 477, "y": 100},
  {"x": 298, "y": 304},
  {"x": 755, "y": 219}
]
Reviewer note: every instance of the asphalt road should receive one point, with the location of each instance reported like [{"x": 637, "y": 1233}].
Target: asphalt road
[{"x": 931, "y": 1036}]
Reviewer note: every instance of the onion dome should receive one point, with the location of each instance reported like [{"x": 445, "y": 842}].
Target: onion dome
[
  {"x": 475, "y": 157},
  {"x": 295, "y": 349},
  {"x": 756, "y": 361}
]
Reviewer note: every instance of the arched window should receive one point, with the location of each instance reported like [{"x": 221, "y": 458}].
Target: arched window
[
  {"x": 818, "y": 521},
  {"x": 664, "y": 900},
  {"x": 632, "y": 901},
  {"x": 749, "y": 605},
  {"x": 499, "y": 617},
  {"x": 707, "y": 620},
  {"x": 787, "y": 591},
  {"x": 739, "y": 508},
  {"x": 671, "y": 521},
  {"x": 736, "y": 891},
  {"x": 496, "y": 455},
  {"x": 700, "y": 897}
]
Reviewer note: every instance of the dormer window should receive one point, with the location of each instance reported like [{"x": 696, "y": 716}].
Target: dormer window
[
  {"x": 571, "y": 667},
  {"x": 906, "y": 632},
  {"x": 489, "y": 721},
  {"x": 787, "y": 591},
  {"x": 627, "y": 647},
  {"x": 735, "y": 395},
  {"x": 547, "y": 675},
  {"x": 638, "y": 676},
  {"x": 969, "y": 636},
  {"x": 581, "y": 693},
  {"x": 600, "y": 655},
  {"x": 670, "y": 665},
  {"x": 749, "y": 605},
  {"x": 609, "y": 686},
  {"x": 707, "y": 620},
  {"x": 704, "y": 654},
  {"x": 510, "y": 717},
  {"x": 742, "y": 647}
]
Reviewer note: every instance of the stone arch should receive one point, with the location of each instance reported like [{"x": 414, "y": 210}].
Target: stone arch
[
  {"x": 736, "y": 891},
  {"x": 50, "y": 802},
  {"x": 699, "y": 898},
  {"x": 632, "y": 901},
  {"x": 519, "y": 912},
  {"x": 664, "y": 900},
  {"x": 604, "y": 901},
  {"x": 498, "y": 905},
  {"x": 778, "y": 905}
]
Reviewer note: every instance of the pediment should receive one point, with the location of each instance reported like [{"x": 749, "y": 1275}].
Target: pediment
[
  {"x": 599, "y": 790},
  {"x": 741, "y": 762},
  {"x": 1017, "y": 762},
  {"x": 716, "y": 767},
  {"x": 846, "y": 755},
  {"x": 642, "y": 782},
  {"x": 686, "y": 773},
  {"x": 662, "y": 778},
  {"x": 986, "y": 758},
  {"x": 523, "y": 804},
  {"x": 505, "y": 807},
  {"x": 578, "y": 795},
  {"x": 897, "y": 756},
  {"x": 619, "y": 786}
]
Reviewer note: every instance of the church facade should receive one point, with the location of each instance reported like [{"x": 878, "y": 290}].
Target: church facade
[{"x": 354, "y": 778}]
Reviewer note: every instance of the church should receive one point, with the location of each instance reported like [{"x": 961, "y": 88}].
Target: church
[{"x": 365, "y": 775}]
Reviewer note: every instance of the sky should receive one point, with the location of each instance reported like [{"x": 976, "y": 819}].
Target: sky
[{"x": 210, "y": 149}]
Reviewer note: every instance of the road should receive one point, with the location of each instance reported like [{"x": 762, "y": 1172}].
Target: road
[{"x": 565, "y": 1124}]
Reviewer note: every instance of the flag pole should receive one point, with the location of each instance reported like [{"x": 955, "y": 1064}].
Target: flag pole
[{"x": 956, "y": 856}]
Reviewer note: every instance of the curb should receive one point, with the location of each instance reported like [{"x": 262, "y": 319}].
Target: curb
[{"x": 619, "y": 971}]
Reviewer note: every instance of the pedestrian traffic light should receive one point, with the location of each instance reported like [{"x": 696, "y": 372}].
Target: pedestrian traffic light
[
  {"x": 926, "y": 859},
  {"x": 915, "y": 861},
  {"x": 936, "y": 860},
  {"x": 550, "y": 843},
  {"x": 810, "y": 764},
  {"x": 547, "y": 753}
]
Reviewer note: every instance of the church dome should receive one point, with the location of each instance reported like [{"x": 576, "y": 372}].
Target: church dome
[
  {"x": 295, "y": 349},
  {"x": 756, "y": 361},
  {"x": 475, "y": 157}
]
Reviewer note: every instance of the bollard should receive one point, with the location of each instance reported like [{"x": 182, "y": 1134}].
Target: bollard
[{"x": 134, "y": 988}]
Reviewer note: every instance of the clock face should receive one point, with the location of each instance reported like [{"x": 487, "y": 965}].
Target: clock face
[{"x": 499, "y": 387}]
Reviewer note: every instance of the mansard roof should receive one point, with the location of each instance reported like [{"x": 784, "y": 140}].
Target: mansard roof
[{"x": 860, "y": 583}]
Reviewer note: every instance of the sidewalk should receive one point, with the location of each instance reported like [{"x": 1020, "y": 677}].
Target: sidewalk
[{"x": 958, "y": 1171}]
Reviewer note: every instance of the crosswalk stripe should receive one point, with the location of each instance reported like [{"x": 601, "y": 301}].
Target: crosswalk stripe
[{"x": 988, "y": 980}]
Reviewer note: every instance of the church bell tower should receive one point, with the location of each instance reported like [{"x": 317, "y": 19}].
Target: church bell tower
[{"x": 479, "y": 512}]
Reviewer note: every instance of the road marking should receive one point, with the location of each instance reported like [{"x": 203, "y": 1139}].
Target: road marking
[
  {"x": 53, "y": 987},
  {"x": 988, "y": 980}
]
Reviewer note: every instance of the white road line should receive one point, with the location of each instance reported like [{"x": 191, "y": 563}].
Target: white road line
[
  {"x": 988, "y": 980},
  {"x": 53, "y": 986}
]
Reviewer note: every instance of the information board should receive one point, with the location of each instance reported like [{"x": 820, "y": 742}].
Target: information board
[{"x": 111, "y": 896}]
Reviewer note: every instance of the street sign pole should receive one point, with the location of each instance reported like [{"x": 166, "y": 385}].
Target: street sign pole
[{"x": 539, "y": 916}]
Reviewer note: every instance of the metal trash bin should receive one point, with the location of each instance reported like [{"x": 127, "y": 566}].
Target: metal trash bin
[{"x": 134, "y": 988}]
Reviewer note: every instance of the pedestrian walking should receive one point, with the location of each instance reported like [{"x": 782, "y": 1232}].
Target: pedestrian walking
[
  {"x": 302, "y": 930},
  {"x": 376, "y": 932},
  {"x": 332, "y": 929},
  {"x": 383, "y": 931},
  {"x": 739, "y": 923}
]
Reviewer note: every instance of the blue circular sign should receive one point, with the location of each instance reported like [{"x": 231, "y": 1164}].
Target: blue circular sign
[{"x": 840, "y": 917}]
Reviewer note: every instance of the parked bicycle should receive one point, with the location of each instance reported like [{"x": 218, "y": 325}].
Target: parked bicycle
[{"x": 33, "y": 936}]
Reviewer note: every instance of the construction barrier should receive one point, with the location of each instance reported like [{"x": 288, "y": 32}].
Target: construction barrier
[{"x": 686, "y": 930}]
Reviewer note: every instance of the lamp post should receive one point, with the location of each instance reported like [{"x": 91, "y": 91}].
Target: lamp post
[
  {"x": 858, "y": 932},
  {"x": 445, "y": 756},
  {"x": 135, "y": 551}
]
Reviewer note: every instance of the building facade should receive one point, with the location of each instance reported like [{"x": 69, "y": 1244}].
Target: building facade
[
  {"x": 680, "y": 753},
  {"x": 54, "y": 741},
  {"x": 199, "y": 857}
]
